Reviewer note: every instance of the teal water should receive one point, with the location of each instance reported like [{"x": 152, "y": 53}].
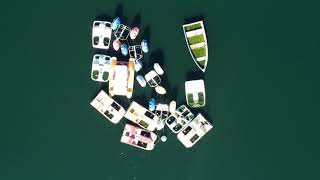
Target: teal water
[{"x": 262, "y": 91}]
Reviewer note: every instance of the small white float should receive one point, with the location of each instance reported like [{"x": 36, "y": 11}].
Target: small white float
[
  {"x": 160, "y": 90},
  {"x": 163, "y": 138},
  {"x": 172, "y": 106},
  {"x": 158, "y": 68}
]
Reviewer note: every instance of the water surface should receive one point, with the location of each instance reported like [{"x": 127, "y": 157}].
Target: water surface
[{"x": 262, "y": 91}]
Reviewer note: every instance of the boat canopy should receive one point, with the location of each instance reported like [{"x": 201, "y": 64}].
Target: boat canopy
[{"x": 120, "y": 79}]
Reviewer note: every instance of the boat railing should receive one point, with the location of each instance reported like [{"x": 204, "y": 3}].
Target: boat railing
[
  {"x": 135, "y": 52},
  {"x": 122, "y": 32}
]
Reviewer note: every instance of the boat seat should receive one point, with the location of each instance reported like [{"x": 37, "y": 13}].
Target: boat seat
[
  {"x": 106, "y": 41},
  {"x": 190, "y": 99},
  {"x": 105, "y": 75},
  {"x": 194, "y": 32},
  {"x": 96, "y": 40},
  {"x": 201, "y": 98}
]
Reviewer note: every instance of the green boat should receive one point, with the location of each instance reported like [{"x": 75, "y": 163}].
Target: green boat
[{"x": 196, "y": 40}]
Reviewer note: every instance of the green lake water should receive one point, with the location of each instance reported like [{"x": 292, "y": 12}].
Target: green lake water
[{"x": 262, "y": 85}]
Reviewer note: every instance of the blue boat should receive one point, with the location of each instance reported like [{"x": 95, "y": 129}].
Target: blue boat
[
  {"x": 115, "y": 23},
  {"x": 138, "y": 65},
  {"x": 144, "y": 45},
  {"x": 152, "y": 104},
  {"x": 124, "y": 49},
  {"x": 141, "y": 81}
]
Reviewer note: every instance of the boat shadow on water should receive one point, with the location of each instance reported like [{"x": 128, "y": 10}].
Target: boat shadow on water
[
  {"x": 136, "y": 21},
  {"x": 204, "y": 112},
  {"x": 157, "y": 56},
  {"x": 147, "y": 34},
  {"x": 119, "y": 13},
  {"x": 194, "y": 75},
  {"x": 102, "y": 86},
  {"x": 103, "y": 17},
  {"x": 141, "y": 99},
  {"x": 192, "y": 19}
]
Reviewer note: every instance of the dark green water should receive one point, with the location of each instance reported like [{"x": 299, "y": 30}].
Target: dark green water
[{"x": 262, "y": 86}]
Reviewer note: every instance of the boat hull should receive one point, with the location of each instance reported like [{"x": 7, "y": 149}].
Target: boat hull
[{"x": 199, "y": 50}]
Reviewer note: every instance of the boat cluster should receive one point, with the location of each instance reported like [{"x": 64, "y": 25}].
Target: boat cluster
[{"x": 120, "y": 75}]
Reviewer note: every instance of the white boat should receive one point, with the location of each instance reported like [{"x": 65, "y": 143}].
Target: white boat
[
  {"x": 162, "y": 111},
  {"x": 141, "y": 116},
  {"x": 152, "y": 78},
  {"x": 138, "y": 137},
  {"x": 195, "y": 93},
  {"x": 122, "y": 32},
  {"x": 196, "y": 39},
  {"x": 100, "y": 68},
  {"x": 179, "y": 119},
  {"x": 135, "y": 52},
  {"x": 141, "y": 81},
  {"x": 101, "y": 34},
  {"x": 108, "y": 107},
  {"x": 121, "y": 75},
  {"x": 194, "y": 131}
]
